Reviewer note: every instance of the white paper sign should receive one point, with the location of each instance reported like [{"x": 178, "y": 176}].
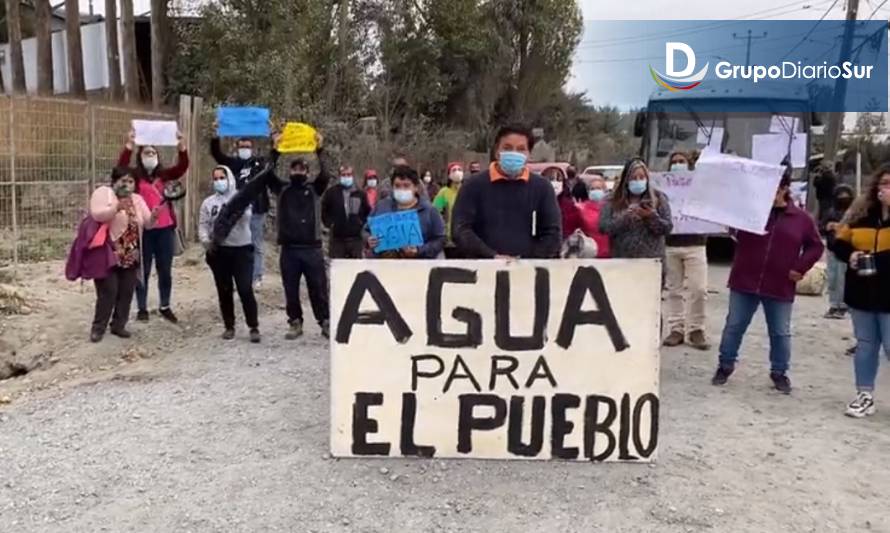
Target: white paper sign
[
  {"x": 773, "y": 147},
  {"x": 156, "y": 132},
  {"x": 676, "y": 185},
  {"x": 783, "y": 124},
  {"x": 733, "y": 191},
  {"x": 489, "y": 359},
  {"x": 716, "y": 137}
]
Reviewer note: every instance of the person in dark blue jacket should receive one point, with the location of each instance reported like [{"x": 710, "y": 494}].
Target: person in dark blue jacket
[{"x": 406, "y": 195}]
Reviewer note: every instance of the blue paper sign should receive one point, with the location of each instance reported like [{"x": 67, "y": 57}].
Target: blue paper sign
[
  {"x": 243, "y": 121},
  {"x": 396, "y": 230}
]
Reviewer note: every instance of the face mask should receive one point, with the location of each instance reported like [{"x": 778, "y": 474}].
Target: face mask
[
  {"x": 346, "y": 181},
  {"x": 372, "y": 183},
  {"x": 512, "y": 163},
  {"x": 122, "y": 191},
  {"x": 456, "y": 176},
  {"x": 427, "y": 178},
  {"x": 679, "y": 166},
  {"x": 245, "y": 153},
  {"x": 843, "y": 202},
  {"x": 299, "y": 177},
  {"x": 596, "y": 194},
  {"x": 557, "y": 187},
  {"x": 221, "y": 186},
  {"x": 150, "y": 162},
  {"x": 636, "y": 187},
  {"x": 403, "y": 196}
]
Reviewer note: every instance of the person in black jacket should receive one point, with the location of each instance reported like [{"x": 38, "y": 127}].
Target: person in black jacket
[
  {"x": 824, "y": 182},
  {"x": 836, "y": 269},
  {"x": 245, "y": 167},
  {"x": 507, "y": 211},
  {"x": 863, "y": 241},
  {"x": 345, "y": 209},
  {"x": 299, "y": 233}
]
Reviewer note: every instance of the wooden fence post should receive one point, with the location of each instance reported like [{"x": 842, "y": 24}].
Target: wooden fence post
[{"x": 12, "y": 177}]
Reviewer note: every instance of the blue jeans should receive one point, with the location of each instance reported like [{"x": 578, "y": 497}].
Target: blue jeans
[
  {"x": 157, "y": 245},
  {"x": 837, "y": 270},
  {"x": 258, "y": 238},
  {"x": 872, "y": 330},
  {"x": 778, "y": 323}
]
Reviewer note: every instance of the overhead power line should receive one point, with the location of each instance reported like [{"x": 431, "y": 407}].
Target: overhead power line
[{"x": 603, "y": 43}]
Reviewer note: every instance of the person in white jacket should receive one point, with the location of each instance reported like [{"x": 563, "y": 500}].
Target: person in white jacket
[{"x": 230, "y": 256}]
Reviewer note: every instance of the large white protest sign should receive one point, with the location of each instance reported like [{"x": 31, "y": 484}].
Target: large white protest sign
[
  {"x": 497, "y": 360},
  {"x": 774, "y": 147},
  {"x": 676, "y": 185},
  {"x": 156, "y": 132},
  {"x": 733, "y": 191}
]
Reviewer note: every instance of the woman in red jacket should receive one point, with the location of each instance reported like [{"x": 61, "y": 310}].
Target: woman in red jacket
[
  {"x": 571, "y": 215},
  {"x": 158, "y": 243},
  {"x": 589, "y": 200},
  {"x": 764, "y": 272}
]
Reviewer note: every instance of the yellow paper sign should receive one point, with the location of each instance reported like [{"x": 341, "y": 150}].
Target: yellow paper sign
[{"x": 297, "y": 137}]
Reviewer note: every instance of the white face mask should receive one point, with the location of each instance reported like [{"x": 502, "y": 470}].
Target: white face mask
[
  {"x": 245, "y": 153},
  {"x": 679, "y": 166},
  {"x": 427, "y": 178},
  {"x": 372, "y": 183},
  {"x": 557, "y": 187},
  {"x": 456, "y": 176},
  {"x": 150, "y": 162}
]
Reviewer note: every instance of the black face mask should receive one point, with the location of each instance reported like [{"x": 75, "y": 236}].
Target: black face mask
[
  {"x": 843, "y": 202},
  {"x": 299, "y": 178}
]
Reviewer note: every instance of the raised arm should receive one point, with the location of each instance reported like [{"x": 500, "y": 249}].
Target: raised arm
[
  {"x": 320, "y": 184},
  {"x": 217, "y": 153}
]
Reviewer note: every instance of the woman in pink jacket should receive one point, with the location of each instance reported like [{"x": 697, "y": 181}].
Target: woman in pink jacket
[
  {"x": 160, "y": 242},
  {"x": 122, "y": 215}
]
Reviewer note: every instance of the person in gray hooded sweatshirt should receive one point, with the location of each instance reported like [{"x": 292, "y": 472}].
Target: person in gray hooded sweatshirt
[{"x": 230, "y": 256}]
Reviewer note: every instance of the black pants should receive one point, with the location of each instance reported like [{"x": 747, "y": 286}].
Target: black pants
[
  {"x": 453, "y": 252},
  {"x": 233, "y": 267},
  {"x": 295, "y": 263},
  {"x": 114, "y": 294},
  {"x": 346, "y": 248}
]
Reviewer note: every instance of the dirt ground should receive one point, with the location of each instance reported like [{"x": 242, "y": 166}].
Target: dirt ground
[{"x": 177, "y": 430}]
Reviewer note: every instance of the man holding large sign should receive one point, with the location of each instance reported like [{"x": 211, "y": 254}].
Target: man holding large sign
[{"x": 496, "y": 359}]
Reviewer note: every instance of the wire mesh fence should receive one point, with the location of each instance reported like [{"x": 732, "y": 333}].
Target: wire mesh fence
[{"x": 53, "y": 152}]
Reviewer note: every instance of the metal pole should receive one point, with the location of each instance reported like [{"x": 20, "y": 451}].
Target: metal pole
[
  {"x": 836, "y": 119},
  {"x": 15, "y": 224}
]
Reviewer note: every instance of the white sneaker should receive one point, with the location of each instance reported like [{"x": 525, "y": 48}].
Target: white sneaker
[{"x": 862, "y": 406}]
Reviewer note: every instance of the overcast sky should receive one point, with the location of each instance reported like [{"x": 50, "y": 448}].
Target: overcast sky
[{"x": 593, "y": 62}]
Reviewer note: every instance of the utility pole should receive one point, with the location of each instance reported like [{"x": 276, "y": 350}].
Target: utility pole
[
  {"x": 836, "y": 119},
  {"x": 748, "y": 37}
]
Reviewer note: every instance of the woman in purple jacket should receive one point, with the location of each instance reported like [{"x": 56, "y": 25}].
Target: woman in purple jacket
[{"x": 764, "y": 272}]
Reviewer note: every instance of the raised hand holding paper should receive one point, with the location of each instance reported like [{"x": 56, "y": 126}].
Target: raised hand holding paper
[
  {"x": 156, "y": 132},
  {"x": 242, "y": 121},
  {"x": 733, "y": 191},
  {"x": 297, "y": 138}
]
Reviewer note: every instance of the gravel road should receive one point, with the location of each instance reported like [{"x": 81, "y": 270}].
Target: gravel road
[{"x": 232, "y": 437}]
